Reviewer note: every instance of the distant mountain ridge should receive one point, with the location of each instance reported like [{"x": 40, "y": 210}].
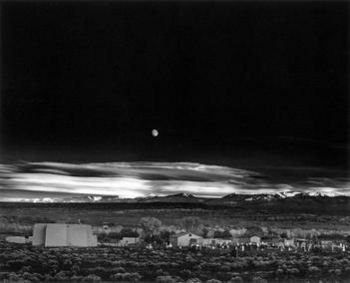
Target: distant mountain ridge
[
  {"x": 266, "y": 205},
  {"x": 233, "y": 198}
]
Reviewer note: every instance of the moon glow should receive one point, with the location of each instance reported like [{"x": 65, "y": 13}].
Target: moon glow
[{"x": 155, "y": 133}]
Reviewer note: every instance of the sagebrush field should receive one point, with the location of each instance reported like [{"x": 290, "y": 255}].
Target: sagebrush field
[{"x": 18, "y": 262}]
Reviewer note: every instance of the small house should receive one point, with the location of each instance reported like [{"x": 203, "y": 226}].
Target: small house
[
  {"x": 256, "y": 240},
  {"x": 18, "y": 239},
  {"x": 129, "y": 241},
  {"x": 185, "y": 239}
]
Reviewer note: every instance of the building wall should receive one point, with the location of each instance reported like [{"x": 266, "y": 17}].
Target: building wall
[
  {"x": 129, "y": 240},
  {"x": 60, "y": 235},
  {"x": 186, "y": 240},
  {"x": 255, "y": 239},
  {"x": 92, "y": 240},
  {"x": 39, "y": 234},
  {"x": 56, "y": 235},
  {"x": 16, "y": 239},
  {"x": 78, "y": 235}
]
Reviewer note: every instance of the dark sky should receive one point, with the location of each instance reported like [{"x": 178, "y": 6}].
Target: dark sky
[{"x": 208, "y": 75}]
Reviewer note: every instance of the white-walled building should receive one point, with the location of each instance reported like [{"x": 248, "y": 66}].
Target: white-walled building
[
  {"x": 129, "y": 241},
  {"x": 185, "y": 239},
  {"x": 18, "y": 239},
  {"x": 255, "y": 240},
  {"x": 63, "y": 235},
  {"x": 39, "y": 234}
]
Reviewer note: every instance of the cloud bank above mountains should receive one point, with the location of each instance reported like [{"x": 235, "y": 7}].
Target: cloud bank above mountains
[{"x": 32, "y": 181}]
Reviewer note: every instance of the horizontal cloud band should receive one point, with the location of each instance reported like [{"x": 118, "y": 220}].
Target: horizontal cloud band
[{"x": 28, "y": 181}]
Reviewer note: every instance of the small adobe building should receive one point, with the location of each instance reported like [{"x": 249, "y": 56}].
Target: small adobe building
[{"x": 184, "y": 239}]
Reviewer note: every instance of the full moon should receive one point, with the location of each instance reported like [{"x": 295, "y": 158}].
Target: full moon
[{"x": 155, "y": 133}]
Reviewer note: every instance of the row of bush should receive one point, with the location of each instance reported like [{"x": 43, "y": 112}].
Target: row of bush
[{"x": 141, "y": 264}]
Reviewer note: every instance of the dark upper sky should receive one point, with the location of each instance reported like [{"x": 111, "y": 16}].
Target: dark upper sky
[{"x": 88, "y": 74}]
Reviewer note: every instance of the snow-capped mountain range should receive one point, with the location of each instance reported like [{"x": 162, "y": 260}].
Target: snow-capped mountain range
[{"x": 181, "y": 198}]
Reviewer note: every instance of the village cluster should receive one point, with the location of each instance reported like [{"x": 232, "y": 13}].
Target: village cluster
[
  {"x": 186, "y": 239},
  {"x": 82, "y": 235}
]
